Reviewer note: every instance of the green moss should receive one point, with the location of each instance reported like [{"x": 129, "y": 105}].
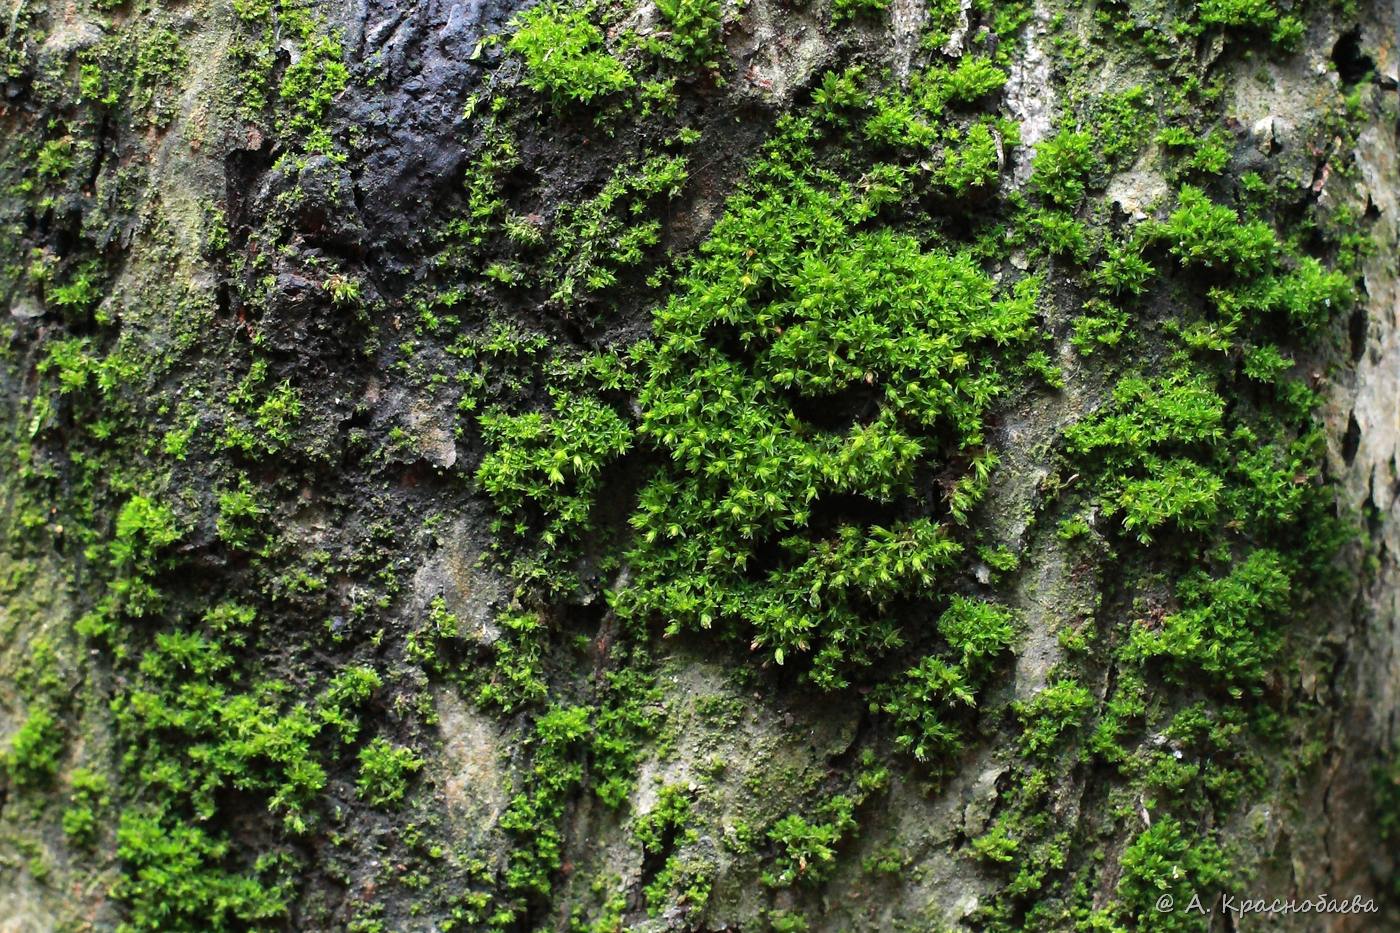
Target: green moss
[
  {"x": 300, "y": 96},
  {"x": 660, "y": 833},
  {"x": 339, "y": 705},
  {"x": 569, "y": 742},
  {"x": 174, "y": 878},
  {"x": 80, "y": 292},
  {"x": 310, "y": 85},
  {"x": 926, "y": 703},
  {"x": 807, "y": 849},
  {"x": 270, "y": 424},
  {"x": 1178, "y": 491},
  {"x": 35, "y": 751},
  {"x": 517, "y": 677},
  {"x": 1251, "y": 13},
  {"x": 545, "y": 470},
  {"x": 1168, "y": 858},
  {"x": 89, "y": 798},
  {"x": 1101, "y": 324},
  {"x": 971, "y": 161},
  {"x": 55, "y": 158},
  {"x": 785, "y": 921},
  {"x": 598, "y": 239},
  {"x": 239, "y": 514},
  {"x": 1123, "y": 270},
  {"x": 1051, "y": 713},
  {"x": 1204, "y": 234},
  {"x": 71, "y": 362},
  {"x": 745, "y": 467},
  {"x": 1122, "y": 123},
  {"x": 144, "y": 528},
  {"x": 384, "y": 772},
  {"x": 1061, "y": 167},
  {"x": 1223, "y": 628},
  {"x": 971, "y": 80},
  {"x": 846, "y": 10},
  {"x": 1055, "y": 233},
  {"x": 533, "y": 815},
  {"x": 839, "y": 95},
  {"x": 694, "y": 29},
  {"x": 810, "y": 426},
  {"x": 160, "y": 59},
  {"x": 564, "y": 58}
]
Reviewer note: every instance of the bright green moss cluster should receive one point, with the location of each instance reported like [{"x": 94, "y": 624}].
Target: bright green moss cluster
[
  {"x": 384, "y": 771},
  {"x": 660, "y": 832},
  {"x": 789, "y": 309},
  {"x": 564, "y": 58},
  {"x": 1209, "y": 235},
  {"x": 518, "y": 675},
  {"x": 846, "y": 10},
  {"x": 173, "y": 879},
  {"x": 919, "y": 117},
  {"x": 345, "y": 695},
  {"x": 307, "y": 87},
  {"x": 1061, "y": 167},
  {"x": 807, "y": 844},
  {"x": 1051, "y": 713},
  {"x": 1224, "y": 627},
  {"x": 694, "y": 28},
  {"x": 33, "y": 756},
  {"x": 1237, "y": 12},
  {"x": 793, "y": 466},
  {"x": 597, "y": 240},
  {"x": 813, "y": 311},
  {"x": 927, "y": 700},
  {"x": 547, "y": 469},
  {"x": 88, "y": 801},
  {"x": 1148, "y": 419},
  {"x": 1169, "y": 858}
]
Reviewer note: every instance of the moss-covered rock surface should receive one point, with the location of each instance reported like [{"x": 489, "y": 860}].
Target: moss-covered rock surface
[{"x": 698, "y": 465}]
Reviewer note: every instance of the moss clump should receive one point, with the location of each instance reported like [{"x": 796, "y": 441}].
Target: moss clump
[
  {"x": 1223, "y": 628},
  {"x": 1169, "y": 858},
  {"x": 564, "y": 58},
  {"x": 829, "y": 314},
  {"x": 339, "y": 705},
  {"x": 1210, "y": 235},
  {"x": 598, "y": 239},
  {"x": 384, "y": 771},
  {"x": 1052, "y": 712},
  {"x": 550, "y": 466},
  {"x": 518, "y": 675},
  {"x": 1062, "y": 165},
  {"x": 926, "y": 702},
  {"x": 807, "y": 849},
  {"x": 307, "y": 87},
  {"x": 88, "y": 801},
  {"x": 846, "y": 10},
  {"x": 173, "y": 878},
  {"x": 694, "y": 29},
  {"x": 1253, "y": 13},
  {"x": 33, "y": 757}
]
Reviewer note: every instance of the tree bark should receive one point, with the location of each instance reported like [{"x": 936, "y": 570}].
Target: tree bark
[{"x": 700, "y": 465}]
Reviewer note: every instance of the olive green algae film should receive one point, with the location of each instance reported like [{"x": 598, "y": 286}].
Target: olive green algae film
[{"x": 699, "y": 465}]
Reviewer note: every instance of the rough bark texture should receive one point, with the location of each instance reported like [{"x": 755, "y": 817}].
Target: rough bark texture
[{"x": 698, "y": 465}]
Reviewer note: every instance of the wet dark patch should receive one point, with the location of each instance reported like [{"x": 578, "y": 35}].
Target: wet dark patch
[
  {"x": 1351, "y": 440},
  {"x": 1357, "y": 326},
  {"x": 1353, "y": 64}
]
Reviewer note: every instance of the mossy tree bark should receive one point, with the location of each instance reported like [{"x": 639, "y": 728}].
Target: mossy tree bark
[{"x": 868, "y": 465}]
